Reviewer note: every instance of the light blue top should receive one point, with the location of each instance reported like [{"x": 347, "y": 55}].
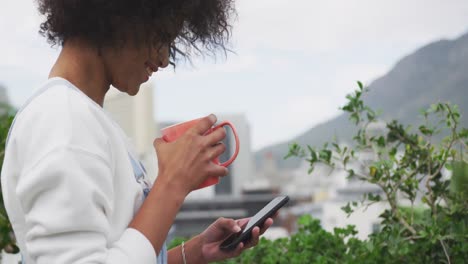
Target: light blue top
[{"x": 140, "y": 176}]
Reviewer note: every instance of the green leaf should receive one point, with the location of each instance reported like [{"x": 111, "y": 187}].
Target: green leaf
[
  {"x": 347, "y": 209},
  {"x": 381, "y": 141},
  {"x": 374, "y": 197},
  {"x": 448, "y": 166},
  {"x": 305, "y": 220},
  {"x": 354, "y": 118},
  {"x": 425, "y": 130},
  {"x": 345, "y": 161},
  {"x": 294, "y": 151},
  {"x": 361, "y": 86},
  {"x": 325, "y": 155},
  {"x": 337, "y": 148},
  {"x": 313, "y": 156}
]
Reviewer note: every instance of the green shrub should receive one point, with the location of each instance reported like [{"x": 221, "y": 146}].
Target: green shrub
[
  {"x": 408, "y": 166},
  {"x": 311, "y": 244},
  {"x": 7, "y": 239}
]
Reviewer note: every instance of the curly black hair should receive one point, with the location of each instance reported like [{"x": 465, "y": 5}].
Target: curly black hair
[{"x": 188, "y": 26}]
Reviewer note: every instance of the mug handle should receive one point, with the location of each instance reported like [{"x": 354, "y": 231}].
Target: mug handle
[{"x": 236, "y": 137}]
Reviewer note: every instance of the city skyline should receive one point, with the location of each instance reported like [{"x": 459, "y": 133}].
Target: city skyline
[{"x": 291, "y": 69}]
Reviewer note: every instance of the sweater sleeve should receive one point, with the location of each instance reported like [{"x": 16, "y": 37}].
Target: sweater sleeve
[{"x": 67, "y": 198}]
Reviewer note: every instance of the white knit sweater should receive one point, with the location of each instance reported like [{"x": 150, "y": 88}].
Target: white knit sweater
[{"x": 68, "y": 183}]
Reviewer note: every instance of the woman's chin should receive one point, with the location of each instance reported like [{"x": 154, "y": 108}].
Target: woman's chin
[
  {"x": 133, "y": 90},
  {"x": 129, "y": 88}
]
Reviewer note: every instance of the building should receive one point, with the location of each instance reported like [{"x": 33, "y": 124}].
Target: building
[
  {"x": 136, "y": 116},
  {"x": 197, "y": 214},
  {"x": 270, "y": 177},
  {"x": 330, "y": 190},
  {"x": 317, "y": 186},
  {"x": 365, "y": 219},
  {"x": 241, "y": 170}
]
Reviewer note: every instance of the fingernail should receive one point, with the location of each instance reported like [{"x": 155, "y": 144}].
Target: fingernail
[
  {"x": 212, "y": 118},
  {"x": 237, "y": 229}
]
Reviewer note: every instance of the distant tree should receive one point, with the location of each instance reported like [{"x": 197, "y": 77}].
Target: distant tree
[
  {"x": 409, "y": 166},
  {"x": 7, "y": 238},
  {"x": 4, "y": 100}
]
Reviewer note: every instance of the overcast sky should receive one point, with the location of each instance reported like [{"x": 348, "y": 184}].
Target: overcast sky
[{"x": 295, "y": 60}]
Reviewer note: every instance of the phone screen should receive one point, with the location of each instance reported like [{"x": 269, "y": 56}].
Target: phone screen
[
  {"x": 265, "y": 210},
  {"x": 257, "y": 220}
]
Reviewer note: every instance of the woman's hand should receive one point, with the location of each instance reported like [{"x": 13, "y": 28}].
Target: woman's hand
[
  {"x": 185, "y": 163},
  {"x": 221, "y": 229}
]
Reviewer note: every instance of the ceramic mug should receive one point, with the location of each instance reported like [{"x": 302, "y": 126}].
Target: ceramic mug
[{"x": 172, "y": 133}]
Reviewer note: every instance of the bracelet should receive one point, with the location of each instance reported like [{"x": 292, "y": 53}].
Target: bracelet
[{"x": 183, "y": 253}]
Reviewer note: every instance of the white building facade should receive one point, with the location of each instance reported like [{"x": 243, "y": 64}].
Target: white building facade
[{"x": 135, "y": 114}]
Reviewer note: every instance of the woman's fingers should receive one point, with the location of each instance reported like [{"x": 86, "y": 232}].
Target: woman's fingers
[
  {"x": 253, "y": 241},
  {"x": 242, "y": 222},
  {"x": 198, "y": 148},
  {"x": 204, "y": 124},
  {"x": 266, "y": 225},
  {"x": 236, "y": 252},
  {"x": 218, "y": 171},
  {"x": 216, "y": 151},
  {"x": 228, "y": 225},
  {"x": 216, "y": 136}
]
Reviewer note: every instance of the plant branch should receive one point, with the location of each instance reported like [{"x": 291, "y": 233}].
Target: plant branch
[
  {"x": 463, "y": 143},
  {"x": 394, "y": 208},
  {"x": 369, "y": 204},
  {"x": 432, "y": 199},
  {"x": 412, "y": 212},
  {"x": 445, "y": 251},
  {"x": 413, "y": 238}
]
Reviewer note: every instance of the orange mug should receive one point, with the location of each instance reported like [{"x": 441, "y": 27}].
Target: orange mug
[{"x": 172, "y": 133}]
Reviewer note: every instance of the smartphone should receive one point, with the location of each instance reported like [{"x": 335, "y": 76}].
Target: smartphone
[{"x": 257, "y": 220}]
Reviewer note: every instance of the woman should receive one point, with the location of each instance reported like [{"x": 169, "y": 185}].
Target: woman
[{"x": 68, "y": 177}]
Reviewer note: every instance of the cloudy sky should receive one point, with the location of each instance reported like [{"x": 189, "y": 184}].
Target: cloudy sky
[{"x": 294, "y": 60}]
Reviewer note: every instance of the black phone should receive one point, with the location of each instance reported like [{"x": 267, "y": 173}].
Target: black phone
[{"x": 257, "y": 220}]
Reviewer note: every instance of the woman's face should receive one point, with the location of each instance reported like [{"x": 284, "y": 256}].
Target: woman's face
[{"x": 128, "y": 67}]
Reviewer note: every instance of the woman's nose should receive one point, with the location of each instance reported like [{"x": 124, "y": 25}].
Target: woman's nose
[
  {"x": 164, "y": 57},
  {"x": 164, "y": 62}
]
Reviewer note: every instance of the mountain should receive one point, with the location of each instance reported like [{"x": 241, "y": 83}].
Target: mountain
[{"x": 437, "y": 72}]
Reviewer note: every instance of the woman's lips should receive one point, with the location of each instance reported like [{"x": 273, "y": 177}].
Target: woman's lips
[
  {"x": 152, "y": 66},
  {"x": 149, "y": 71}
]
